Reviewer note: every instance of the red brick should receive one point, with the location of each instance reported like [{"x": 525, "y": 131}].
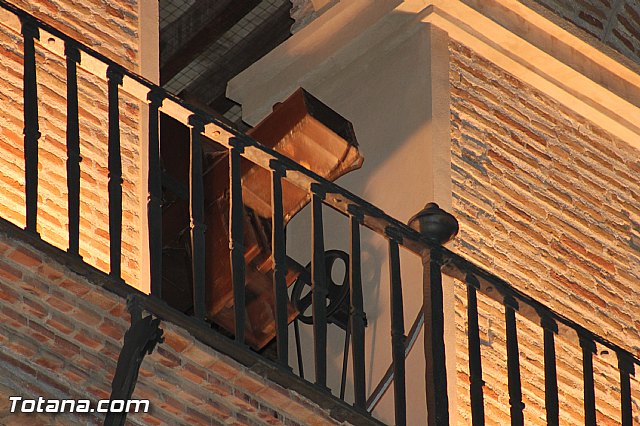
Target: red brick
[
  {"x": 4, "y": 247},
  {"x": 8, "y": 294},
  {"x": 111, "y": 351},
  {"x": 601, "y": 262},
  {"x": 143, "y": 391},
  {"x": 150, "y": 420},
  {"x": 84, "y": 315},
  {"x": 25, "y": 257},
  {"x": 9, "y": 273},
  {"x": 36, "y": 309},
  {"x": 217, "y": 410},
  {"x": 167, "y": 358},
  {"x": 120, "y": 311},
  {"x": 225, "y": 370},
  {"x": 79, "y": 289},
  {"x": 576, "y": 214},
  {"x": 217, "y": 386},
  {"x": 238, "y": 400},
  {"x": 49, "y": 362},
  {"x": 61, "y": 324},
  {"x": 112, "y": 329},
  {"x": 145, "y": 372},
  {"x": 40, "y": 333},
  {"x": 35, "y": 286},
  {"x": 22, "y": 347},
  {"x": 60, "y": 304},
  {"x": 76, "y": 375},
  {"x": 196, "y": 417},
  {"x": 200, "y": 355},
  {"x": 100, "y": 300},
  {"x": 91, "y": 362},
  {"x": 177, "y": 342},
  {"x": 17, "y": 363},
  {"x": 88, "y": 340},
  {"x": 98, "y": 392},
  {"x": 171, "y": 405},
  {"x": 275, "y": 396},
  {"x": 50, "y": 273},
  {"x": 65, "y": 348},
  {"x": 16, "y": 319},
  {"x": 193, "y": 373},
  {"x": 189, "y": 397},
  {"x": 161, "y": 383},
  {"x": 249, "y": 384},
  {"x": 54, "y": 382},
  {"x": 270, "y": 418}
]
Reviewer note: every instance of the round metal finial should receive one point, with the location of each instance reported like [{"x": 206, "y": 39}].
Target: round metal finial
[{"x": 435, "y": 224}]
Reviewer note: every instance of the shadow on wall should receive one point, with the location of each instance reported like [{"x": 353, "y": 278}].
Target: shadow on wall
[{"x": 372, "y": 66}]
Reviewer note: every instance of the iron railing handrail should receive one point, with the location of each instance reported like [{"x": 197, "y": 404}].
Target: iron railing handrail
[
  {"x": 411, "y": 238},
  {"x": 378, "y": 219},
  {"x": 347, "y": 203},
  {"x": 372, "y": 211},
  {"x": 456, "y": 266}
]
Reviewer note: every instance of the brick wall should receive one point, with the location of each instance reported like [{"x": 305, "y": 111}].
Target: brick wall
[
  {"x": 60, "y": 336},
  {"x": 549, "y": 202},
  {"x": 108, "y": 26},
  {"x": 52, "y": 200},
  {"x": 616, "y": 23}
]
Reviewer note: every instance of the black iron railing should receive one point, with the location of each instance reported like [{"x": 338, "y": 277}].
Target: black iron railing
[{"x": 437, "y": 260}]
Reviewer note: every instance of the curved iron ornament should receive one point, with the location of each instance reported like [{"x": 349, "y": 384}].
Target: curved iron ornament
[
  {"x": 337, "y": 309},
  {"x": 337, "y": 294},
  {"x": 388, "y": 377},
  {"x": 140, "y": 339}
]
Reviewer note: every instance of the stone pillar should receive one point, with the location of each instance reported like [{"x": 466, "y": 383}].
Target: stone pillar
[{"x": 388, "y": 73}]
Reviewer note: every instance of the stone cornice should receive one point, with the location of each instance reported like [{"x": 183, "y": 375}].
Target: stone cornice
[
  {"x": 577, "y": 74},
  {"x": 551, "y": 59}
]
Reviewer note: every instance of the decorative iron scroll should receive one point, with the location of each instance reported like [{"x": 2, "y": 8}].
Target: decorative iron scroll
[{"x": 140, "y": 339}]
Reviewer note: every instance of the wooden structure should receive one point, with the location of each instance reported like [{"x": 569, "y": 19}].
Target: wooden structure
[
  {"x": 304, "y": 129},
  {"x": 204, "y": 28}
]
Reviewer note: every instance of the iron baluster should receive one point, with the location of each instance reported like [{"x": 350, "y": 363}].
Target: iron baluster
[
  {"x": 550, "y": 328},
  {"x": 319, "y": 286},
  {"x": 345, "y": 359},
  {"x": 387, "y": 378},
  {"x": 196, "y": 215},
  {"x": 278, "y": 171},
  {"x": 114, "y": 78},
  {"x": 626, "y": 367},
  {"x": 296, "y": 333},
  {"x": 588, "y": 349},
  {"x": 513, "y": 362},
  {"x": 72, "y": 55},
  {"x": 154, "y": 200},
  {"x": 475, "y": 357},
  {"x": 236, "y": 238},
  {"x": 397, "y": 328},
  {"x": 31, "y": 131},
  {"x": 357, "y": 318},
  {"x": 435, "y": 361}
]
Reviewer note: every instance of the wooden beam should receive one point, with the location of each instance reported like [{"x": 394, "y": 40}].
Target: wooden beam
[
  {"x": 200, "y": 26},
  {"x": 266, "y": 36}
]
